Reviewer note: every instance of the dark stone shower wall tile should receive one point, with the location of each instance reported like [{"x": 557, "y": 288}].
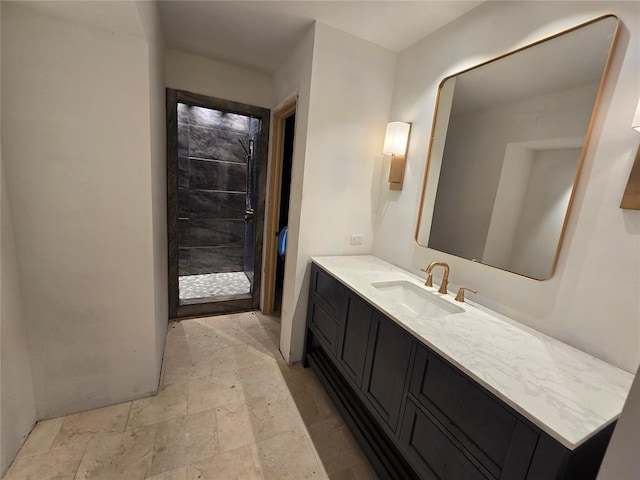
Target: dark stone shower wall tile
[
  {"x": 183, "y": 172},
  {"x": 216, "y": 260},
  {"x": 254, "y": 128},
  {"x": 183, "y": 203},
  {"x": 183, "y": 232},
  {"x": 217, "y": 144},
  {"x": 183, "y": 140},
  {"x": 205, "y": 232},
  {"x": 206, "y": 204},
  {"x": 207, "y": 117},
  {"x": 229, "y": 141},
  {"x": 183, "y": 113},
  {"x": 249, "y": 249},
  {"x": 215, "y": 175},
  {"x": 184, "y": 261}
]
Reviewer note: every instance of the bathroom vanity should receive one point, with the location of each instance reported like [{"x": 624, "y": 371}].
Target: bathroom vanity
[{"x": 437, "y": 389}]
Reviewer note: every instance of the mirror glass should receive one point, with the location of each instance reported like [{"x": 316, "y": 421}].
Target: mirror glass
[{"x": 506, "y": 150}]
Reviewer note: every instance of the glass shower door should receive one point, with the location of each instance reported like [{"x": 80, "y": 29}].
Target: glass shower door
[{"x": 218, "y": 153}]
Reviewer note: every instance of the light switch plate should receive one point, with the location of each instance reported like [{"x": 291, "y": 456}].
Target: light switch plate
[{"x": 356, "y": 239}]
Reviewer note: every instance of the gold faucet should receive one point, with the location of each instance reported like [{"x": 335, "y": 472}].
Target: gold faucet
[{"x": 445, "y": 277}]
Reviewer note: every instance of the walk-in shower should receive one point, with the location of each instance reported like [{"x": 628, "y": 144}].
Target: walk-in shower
[{"x": 218, "y": 153}]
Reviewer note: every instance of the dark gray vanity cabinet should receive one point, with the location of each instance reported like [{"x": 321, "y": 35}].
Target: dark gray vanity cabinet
[
  {"x": 415, "y": 415},
  {"x": 370, "y": 350},
  {"x": 362, "y": 358}
]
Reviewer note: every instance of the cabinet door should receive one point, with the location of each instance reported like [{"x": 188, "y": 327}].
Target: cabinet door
[
  {"x": 490, "y": 432},
  {"x": 386, "y": 368},
  {"x": 354, "y": 337},
  {"x": 433, "y": 452}
]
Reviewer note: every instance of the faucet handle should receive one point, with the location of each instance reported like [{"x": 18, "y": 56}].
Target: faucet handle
[
  {"x": 429, "y": 281},
  {"x": 460, "y": 295}
]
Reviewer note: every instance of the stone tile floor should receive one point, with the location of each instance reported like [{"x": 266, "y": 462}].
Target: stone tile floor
[{"x": 228, "y": 408}]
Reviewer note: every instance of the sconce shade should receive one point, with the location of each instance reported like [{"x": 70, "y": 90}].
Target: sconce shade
[
  {"x": 396, "y": 138},
  {"x": 636, "y": 119}
]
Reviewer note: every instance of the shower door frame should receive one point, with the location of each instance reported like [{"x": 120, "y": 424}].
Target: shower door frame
[{"x": 249, "y": 302}]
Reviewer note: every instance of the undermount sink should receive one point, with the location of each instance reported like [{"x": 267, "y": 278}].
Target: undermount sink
[{"x": 418, "y": 300}]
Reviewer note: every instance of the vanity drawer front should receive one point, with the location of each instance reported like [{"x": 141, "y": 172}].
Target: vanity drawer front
[
  {"x": 324, "y": 325},
  {"x": 433, "y": 452},
  {"x": 327, "y": 289},
  {"x": 491, "y": 432}
]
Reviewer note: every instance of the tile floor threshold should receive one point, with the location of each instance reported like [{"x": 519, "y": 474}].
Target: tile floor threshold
[
  {"x": 220, "y": 298},
  {"x": 228, "y": 408}
]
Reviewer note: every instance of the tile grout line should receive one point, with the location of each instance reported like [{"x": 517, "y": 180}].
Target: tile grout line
[
  {"x": 84, "y": 452},
  {"x": 126, "y": 424},
  {"x": 153, "y": 451}
]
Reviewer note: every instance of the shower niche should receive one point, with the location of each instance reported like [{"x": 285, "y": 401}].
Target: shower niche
[{"x": 216, "y": 179}]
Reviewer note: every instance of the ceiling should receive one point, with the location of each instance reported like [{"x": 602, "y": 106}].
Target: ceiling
[
  {"x": 118, "y": 17},
  {"x": 260, "y": 34}
]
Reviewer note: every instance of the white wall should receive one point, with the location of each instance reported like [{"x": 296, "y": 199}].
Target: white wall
[
  {"x": 592, "y": 300},
  {"x": 76, "y": 141},
  {"x": 148, "y": 12},
  {"x": 17, "y": 399},
  {"x": 350, "y": 96},
  {"x": 294, "y": 78},
  {"x": 184, "y": 71}
]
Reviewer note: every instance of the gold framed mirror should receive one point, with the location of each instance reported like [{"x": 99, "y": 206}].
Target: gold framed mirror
[{"x": 507, "y": 145}]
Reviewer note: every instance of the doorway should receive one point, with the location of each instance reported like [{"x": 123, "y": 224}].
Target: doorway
[
  {"x": 284, "y": 122},
  {"x": 216, "y": 175}
]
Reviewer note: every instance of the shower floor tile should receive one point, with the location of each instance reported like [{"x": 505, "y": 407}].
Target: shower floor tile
[{"x": 213, "y": 285}]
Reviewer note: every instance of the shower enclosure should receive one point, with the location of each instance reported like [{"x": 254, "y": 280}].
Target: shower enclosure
[{"x": 216, "y": 163}]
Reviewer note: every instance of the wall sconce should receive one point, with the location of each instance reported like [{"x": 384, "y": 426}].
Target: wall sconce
[
  {"x": 395, "y": 144},
  {"x": 636, "y": 119},
  {"x": 631, "y": 196}
]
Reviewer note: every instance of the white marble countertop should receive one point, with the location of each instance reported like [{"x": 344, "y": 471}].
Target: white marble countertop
[{"x": 568, "y": 393}]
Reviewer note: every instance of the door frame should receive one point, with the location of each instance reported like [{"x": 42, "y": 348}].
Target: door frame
[
  {"x": 249, "y": 302},
  {"x": 280, "y": 114}
]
